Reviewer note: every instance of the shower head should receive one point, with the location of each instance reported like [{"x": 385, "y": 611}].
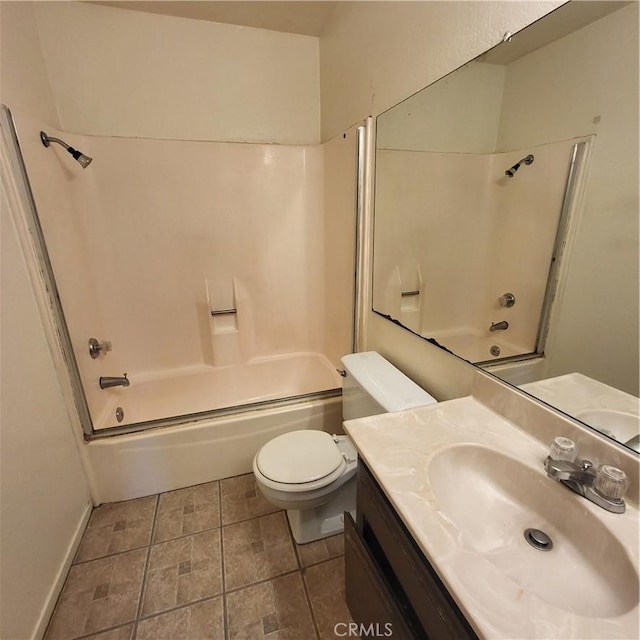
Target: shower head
[
  {"x": 83, "y": 160},
  {"x": 512, "y": 171}
]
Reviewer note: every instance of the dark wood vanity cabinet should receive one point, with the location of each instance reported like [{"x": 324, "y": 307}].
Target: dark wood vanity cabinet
[{"x": 391, "y": 588}]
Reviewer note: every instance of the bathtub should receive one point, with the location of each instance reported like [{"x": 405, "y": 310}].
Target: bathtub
[
  {"x": 183, "y": 392},
  {"x": 271, "y": 397}
]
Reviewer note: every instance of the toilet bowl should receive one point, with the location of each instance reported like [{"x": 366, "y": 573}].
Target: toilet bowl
[
  {"x": 302, "y": 472},
  {"x": 311, "y": 474}
]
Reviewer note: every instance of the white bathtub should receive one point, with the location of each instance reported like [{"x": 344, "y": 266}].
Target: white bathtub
[
  {"x": 183, "y": 392},
  {"x": 203, "y": 449}
]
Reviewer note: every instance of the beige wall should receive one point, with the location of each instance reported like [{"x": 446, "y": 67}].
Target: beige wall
[
  {"x": 339, "y": 243},
  {"x": 128, "y": 73},
  {"x": 375, "y": 54},
  {"x": 45, "y": 496},
  {"x": 24, "y": 82}
]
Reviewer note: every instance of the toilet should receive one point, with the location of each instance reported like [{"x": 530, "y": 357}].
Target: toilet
[{"x": 310, "y": 473}]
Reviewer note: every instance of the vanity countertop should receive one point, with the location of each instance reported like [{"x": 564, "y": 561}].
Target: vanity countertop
[{"x": 504, "y": 587}]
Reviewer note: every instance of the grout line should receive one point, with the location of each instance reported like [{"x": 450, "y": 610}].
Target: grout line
[
  {"x": 308, "y": 599},
  {"x": 94, "y": 633},
  {"x": 143, "y": 587},
  {"x": 225, "y": 621},
  {"x": 184, "y": 605},
  {"x": 253, "y": 584},
  {"x": 109, "y": 555}
]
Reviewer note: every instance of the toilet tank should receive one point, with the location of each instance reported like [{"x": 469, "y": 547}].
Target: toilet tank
[{"x": 373, "y": 385}]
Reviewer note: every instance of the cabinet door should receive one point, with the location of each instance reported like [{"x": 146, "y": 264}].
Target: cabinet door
[
  {"x": 416, "y": 584},
  {"x": 369, "y": 598}
]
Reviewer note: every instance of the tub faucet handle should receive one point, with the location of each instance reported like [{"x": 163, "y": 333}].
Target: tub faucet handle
[
  {"x": 507, "y": 300},
  {"x": 96, "y": 347}
]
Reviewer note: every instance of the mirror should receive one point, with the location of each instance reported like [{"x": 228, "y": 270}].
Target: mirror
[{"x": 506, "y": 213}]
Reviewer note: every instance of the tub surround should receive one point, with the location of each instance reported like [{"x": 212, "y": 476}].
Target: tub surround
[{"x": 400, "y": 449}]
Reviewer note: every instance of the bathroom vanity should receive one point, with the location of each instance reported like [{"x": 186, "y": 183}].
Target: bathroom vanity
[
  {"x": 389, "y": 582},
  {"x": 448, "y": 496}
]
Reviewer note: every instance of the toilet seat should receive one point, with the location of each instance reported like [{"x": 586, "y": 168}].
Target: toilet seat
[{"x": 300, "y": 461}]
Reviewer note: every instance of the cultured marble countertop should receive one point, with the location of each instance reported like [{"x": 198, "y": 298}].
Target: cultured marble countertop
[{"x": 505, "y": 588}]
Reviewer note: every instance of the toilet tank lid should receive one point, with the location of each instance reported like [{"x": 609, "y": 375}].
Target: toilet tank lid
[{"x": 386, "y": 384}]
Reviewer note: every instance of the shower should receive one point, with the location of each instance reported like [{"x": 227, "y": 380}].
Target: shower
[
  {"x": 512, "y": 171},
  {"x": 82, "y": 159}
]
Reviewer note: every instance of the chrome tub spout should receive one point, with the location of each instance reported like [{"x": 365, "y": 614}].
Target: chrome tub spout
[
  {"x": 499, "y": 326},
  {"x": 106, "y": 382}
]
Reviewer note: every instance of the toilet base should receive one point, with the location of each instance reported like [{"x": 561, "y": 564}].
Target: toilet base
[{"x": 308, "y": 525}]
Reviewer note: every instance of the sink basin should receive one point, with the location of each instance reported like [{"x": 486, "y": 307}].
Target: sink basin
[
  {"x": 623, "y": 426},
  {"x": 492, "y": 499}
]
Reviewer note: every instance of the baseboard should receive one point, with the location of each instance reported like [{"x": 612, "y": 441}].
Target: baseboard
[{"x": 58, "y": 583}]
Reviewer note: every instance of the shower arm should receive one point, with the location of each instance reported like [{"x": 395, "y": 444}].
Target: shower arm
[
  {"x": 83, "y": 159},
  {"x": 46, "y": 140}
]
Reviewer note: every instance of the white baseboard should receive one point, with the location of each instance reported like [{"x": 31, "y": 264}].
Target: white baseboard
[{"x": 58, "y": 583}]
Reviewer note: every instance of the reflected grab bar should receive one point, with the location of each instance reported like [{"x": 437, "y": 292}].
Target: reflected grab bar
[
  {"x": 224, "y": 312},
  {"x": 407, "y": 294}
]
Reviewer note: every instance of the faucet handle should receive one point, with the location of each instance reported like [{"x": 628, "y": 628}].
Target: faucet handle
[
  {"x": 563, "y": 449},
  {"x": 611, "y": 482}
]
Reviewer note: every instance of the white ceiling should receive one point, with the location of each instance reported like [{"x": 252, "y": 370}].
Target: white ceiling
[{"x": 306, "y": 18}]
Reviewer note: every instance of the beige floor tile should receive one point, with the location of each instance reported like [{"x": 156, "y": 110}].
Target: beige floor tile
[
  {"x": 98, "y": 595},
  {"x": 187, "y": 511},
  {"x": 320, "y": 550},
  {"x": 257, "y": 549},
  {"x": 117, "y": 527},
  {"x": 241, "y": 499},
  {"x": 272, "y": 610},
  {"x": 183, "y": 570},
  {"x": 201, "y": 621},
  {"x": 325, "y": 585}
]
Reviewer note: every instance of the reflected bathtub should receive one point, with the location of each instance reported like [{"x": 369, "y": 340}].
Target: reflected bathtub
[{"x": 478, "y": 346}]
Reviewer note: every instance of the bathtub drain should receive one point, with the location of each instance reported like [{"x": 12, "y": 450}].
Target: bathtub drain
[{"x": 119, "y": 414}]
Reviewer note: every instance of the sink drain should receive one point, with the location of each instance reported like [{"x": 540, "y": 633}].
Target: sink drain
[{"x": 538, "y": 539}]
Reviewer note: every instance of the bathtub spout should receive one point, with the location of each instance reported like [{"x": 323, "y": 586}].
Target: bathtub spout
[
  {"x": 499, "y": 326},
  {"x": 106, "y": 382}
]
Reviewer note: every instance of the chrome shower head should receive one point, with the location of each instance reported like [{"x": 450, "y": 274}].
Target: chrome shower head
[
  {"x": 512, "y": 171},
  {"x": 83, "y": 161}
]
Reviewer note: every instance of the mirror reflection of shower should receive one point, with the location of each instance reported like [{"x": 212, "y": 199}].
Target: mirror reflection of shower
[
  {"x": 512, "y": 171},
  {"x": 83, "y": 160}
]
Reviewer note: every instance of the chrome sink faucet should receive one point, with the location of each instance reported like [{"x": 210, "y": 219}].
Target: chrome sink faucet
[{"x": 605, "y": 487}]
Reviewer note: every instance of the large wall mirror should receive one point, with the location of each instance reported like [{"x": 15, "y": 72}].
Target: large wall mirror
[{"x": 506, "y": 213}]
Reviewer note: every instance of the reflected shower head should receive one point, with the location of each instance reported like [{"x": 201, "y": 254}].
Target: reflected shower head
[
  {"x": 512, "y": 171},
  {"x": 83, "y": 160}
]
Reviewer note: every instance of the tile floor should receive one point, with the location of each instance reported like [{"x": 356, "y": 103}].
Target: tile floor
[{"x": 215, "y": 561}]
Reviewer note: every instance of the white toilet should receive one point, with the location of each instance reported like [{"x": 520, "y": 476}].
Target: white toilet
[{"x": 310, "y": 473}]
